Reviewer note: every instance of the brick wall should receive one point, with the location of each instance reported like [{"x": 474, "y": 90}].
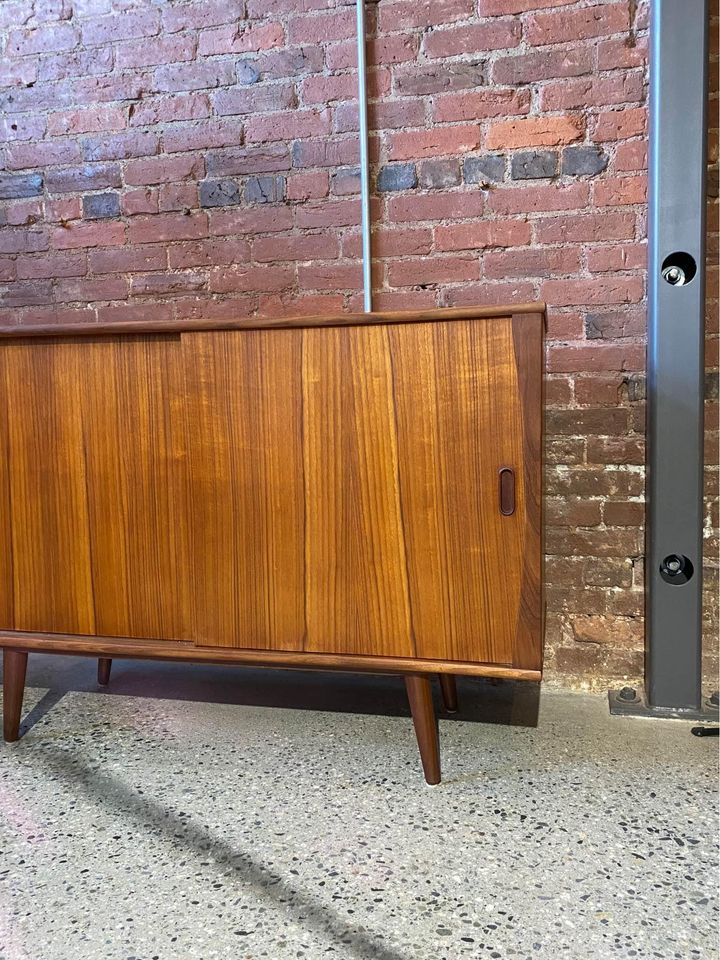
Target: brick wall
[{"x": 196, "y": 159}]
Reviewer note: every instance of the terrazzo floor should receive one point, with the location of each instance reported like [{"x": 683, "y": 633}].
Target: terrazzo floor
[{"x": 218, "y": 813}]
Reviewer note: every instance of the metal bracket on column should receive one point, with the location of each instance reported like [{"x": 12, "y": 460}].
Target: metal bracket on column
[{"x": 675, "y": 368}]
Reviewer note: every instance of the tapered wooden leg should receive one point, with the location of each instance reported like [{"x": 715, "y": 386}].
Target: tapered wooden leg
[
  {"x": 104, "y": 666},
  {"x": 14, "y": 668},
  {"x": 449, "y": 692},
  {"x": 419, "y": 691}
]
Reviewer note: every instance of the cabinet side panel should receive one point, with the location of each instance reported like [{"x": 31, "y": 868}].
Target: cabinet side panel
[
  {"x": 136, "y": 465},
  {"x": 7, "y": 612},
  {"x": 459, "y": 423},
  {"x": 528, "y": 348},
  {"x": 357, "y": 590},
  {"x": 52, "y": 567},
  {"x": 244, "y": 419}
]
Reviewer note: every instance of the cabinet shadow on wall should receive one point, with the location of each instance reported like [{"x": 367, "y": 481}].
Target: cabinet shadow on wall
[{"x": 505, "y": 702}]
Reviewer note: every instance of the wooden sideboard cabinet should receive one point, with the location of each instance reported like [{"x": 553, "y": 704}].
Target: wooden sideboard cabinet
[{"x": 348, "y": 492}]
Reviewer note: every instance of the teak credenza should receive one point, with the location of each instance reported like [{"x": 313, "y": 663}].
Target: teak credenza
[{"x": 357, "y": 492}]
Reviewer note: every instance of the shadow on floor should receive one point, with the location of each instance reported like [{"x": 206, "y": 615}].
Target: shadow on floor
[{"x": 481, "y": 701}]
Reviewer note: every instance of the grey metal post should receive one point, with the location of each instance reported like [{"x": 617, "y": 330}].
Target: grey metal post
[
  {"x": 364, "y": 158},
  {"x": 675, "y": 367}
]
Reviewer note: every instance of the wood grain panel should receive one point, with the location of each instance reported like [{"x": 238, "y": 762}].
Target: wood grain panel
[
  {"x": 52, "y": 570},
  {"x": 356, "y": 576},
  {"x": 244, "y": 398},
  {"x": 7, "y": 591},
  {"x": 131, "y": 394},
  {"x": 458, "y": 424}
]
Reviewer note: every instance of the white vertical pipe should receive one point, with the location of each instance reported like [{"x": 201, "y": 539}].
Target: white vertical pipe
[{"x": 364, "y": 159}]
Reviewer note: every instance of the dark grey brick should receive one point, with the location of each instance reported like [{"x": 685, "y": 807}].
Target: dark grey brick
[
  {"x": 584, "y": 160},
  {"x": 481, "y": 169},
  {"x": 712, "y": 385},
  {"x": 246, "y": 72},
  {"x": 397, "y": 176},
  {"x": 437, "y": 174},
  {"x": 265, "y": 189},
  {"x": 14, "y": 186},
  {"x": 533, "y": 164},
  {"x": 97, "y": 206},
  {"x": 219, "y": 193},
  {"x": 636, "y": 387}
]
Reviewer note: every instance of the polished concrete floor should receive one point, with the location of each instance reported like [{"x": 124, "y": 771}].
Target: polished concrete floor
[{"x": 217, "y": 813}]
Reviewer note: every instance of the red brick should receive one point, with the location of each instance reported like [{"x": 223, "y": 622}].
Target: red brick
[
  {"x": 480, "y": 104},
  {"x": 454, "y": 41},
  {"x": 203, "y": 135},
  {"x": 134, "y": 312},
  {"x": 271, "y": 219},
  {"x": 403, "y": 299},
  {"x": 616, "y": 257},
  {"x": 423, "y": 13},
  {"x": 440, "y": 206},
  {"x": 18, "y": 73},
  {"x": 323, "y": 89},
  {"x": 620, "y": 191},
  {"x": 571, "y": 358},
  {"x": 143, "y": 22},
  {"x": 7, "y": 269},
  {"x": 197, "y": 75},
  {"x": 332, "y": 276},
  {"x": 322, "y": 246},
  {"x": 21, "y": 156},
  {"x": 234, "y": 39},
  {"x": 530, "y": 263},
  {"x": 86, "y": 291},
  {"x": 133, "y": 202},
  {"x": 543, "y": 65},
  {"x": 163, "y": 170},
  {"x": 488, "y": 293},
  {"x": 166, "y": 284},
  {"x": 328, "y": 213},
  {"x": 482, "y": 234},
  {"x": 527, "y": 199},
  {"x": 243, "y": 278},
  {"x": 258, "y": 98},
  {"x": 107, "y": 234},
  {"x": 23, "y": 240},
  {"x": 573, "y": 512},
  {"x": 631, "y": 156},
  {"x": 288, "y": 126},
  {"x": 270, "y": 158},
  {"x": 178, "y": 196},
  {"x": 319, "y": 28},
  {"x": 534, "y": 132},
  {"x": 503, "y": 8},
  {"x": 22, "y": 128},
  {"x": 207, "y": 13},
  {"x": 207, "y": 308},
  {"x": 382, "y": 115},
  {"x": 443, "y": 270},
  {"x": 23, "y": 212},
  {"x": 127, "y": 259},
  {"x": 106, "y": 118},
  {"x": 299, "y": 305},
  {"x": 208, "y": 253},
  {"x": 182, "y": 106},
  {"x": 438, "y": 141},
  {"x": 308, "y": 186},
  {"x": 584, "y": 227},
  {"x": 399, "y": 48},
  {"x": 622, "y": 53},
  {"x": 582, "y": 92},
  {"x": 76, "y": 63},
  {"x": 45, "y": 39},
  {"x": 121, "y": 146},
  {"x": 624, "y": 513},
  {"x": 620, "y": 124},
  {"x": 52, "y": 265},
  {"x": 610, "y": 631},
  {"x": 599, "y": 389},
  {"x": 390, "y": 243},
  {"x": 64, "y": 208},
  {"x": 95, "y": 176},
  {"x": 149, "y": 53},
  {"x": 566, "y": 26},
  {"x": 626, "y": 289},
  {"x": 165, "y": 227}
]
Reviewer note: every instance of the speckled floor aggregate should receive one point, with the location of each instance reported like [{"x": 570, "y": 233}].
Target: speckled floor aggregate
[{"x": 219, "y": 813}]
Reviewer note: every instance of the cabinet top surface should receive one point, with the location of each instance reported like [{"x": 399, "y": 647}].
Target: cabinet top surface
[{"x": 268, "y": 323}]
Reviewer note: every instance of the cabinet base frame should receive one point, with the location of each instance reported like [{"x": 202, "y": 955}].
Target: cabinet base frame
[{"x": 417, "y": 673}]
